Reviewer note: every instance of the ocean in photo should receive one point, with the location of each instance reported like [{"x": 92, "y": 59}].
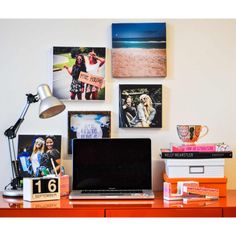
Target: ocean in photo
[{"x": 138, "y": 43}]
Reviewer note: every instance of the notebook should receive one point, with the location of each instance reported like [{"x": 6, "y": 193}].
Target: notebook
[{"x": 116, "y": 168}]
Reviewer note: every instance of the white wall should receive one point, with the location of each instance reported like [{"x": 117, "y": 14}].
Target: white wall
[{"x": 199, "y": 87}]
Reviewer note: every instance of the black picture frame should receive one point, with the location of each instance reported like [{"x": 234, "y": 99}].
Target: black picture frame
[
  {"x": 132, "y": 111},
  {"x": 27, "y": 167},
  {"x": 88, "y": 124}
]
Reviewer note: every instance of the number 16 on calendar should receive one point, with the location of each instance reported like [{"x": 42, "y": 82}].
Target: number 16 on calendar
[{"x": 41, "y": 189}]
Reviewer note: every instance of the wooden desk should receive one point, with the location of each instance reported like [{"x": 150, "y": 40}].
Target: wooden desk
[{"x": 224, "y": 207}]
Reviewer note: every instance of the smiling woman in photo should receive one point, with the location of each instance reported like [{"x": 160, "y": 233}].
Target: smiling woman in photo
[
  {"x": 53, "y": 154},
  {"x": 35, "y": 158},
  {"x": 145, "y": 112},
  {"x": 76, "y": 87}
]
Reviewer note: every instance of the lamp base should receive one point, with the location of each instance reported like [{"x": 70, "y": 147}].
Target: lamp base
[{"x": 13, "y": 193}]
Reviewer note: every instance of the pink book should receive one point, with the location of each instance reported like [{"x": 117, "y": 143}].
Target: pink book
[{"x": 220, "y": 147}]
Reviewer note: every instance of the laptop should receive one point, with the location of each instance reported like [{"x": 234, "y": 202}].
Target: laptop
[{"x": 116, "y": 168}]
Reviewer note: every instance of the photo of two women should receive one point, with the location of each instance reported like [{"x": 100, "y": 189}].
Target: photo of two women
[
  {"x": 39, "y": 155},
  {"x": 140, "y": 106},
  {"x": 68, "y": 63}
]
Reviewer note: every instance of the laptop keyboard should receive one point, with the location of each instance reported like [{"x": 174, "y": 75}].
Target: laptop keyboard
[{"x": 110, "y": 191}]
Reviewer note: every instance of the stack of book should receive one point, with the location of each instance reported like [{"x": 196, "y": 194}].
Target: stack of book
[
  {"x": 218, "y": 150},
  {"x": 198, "y": 160}
]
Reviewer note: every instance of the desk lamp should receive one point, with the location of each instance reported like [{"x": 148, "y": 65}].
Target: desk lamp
[{"x": 49, "y": 106}]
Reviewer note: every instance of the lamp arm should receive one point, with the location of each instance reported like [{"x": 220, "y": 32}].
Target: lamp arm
[{"x": 11, "y": 132}]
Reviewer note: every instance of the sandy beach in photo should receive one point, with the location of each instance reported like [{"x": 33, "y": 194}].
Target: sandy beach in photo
[{"x": 138, "y": 62}]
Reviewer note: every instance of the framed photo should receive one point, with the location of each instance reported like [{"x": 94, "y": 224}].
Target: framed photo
[
  {"x": 79, "y": 73},
  {"x": 140, "y": 106},
  {"x": 88, "y": 124},
  {"x": 138, "y": 50},
  {"x": 39, "y": 155}
]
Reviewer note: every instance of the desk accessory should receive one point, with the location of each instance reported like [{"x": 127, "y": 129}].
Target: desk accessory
[
  {"x": 170, "y": 195},
  {"x": 189, "y": 191},
  {"x": 187, "y": 200},
  {"x": 38, "y": 154},
  {"x": 219, "y": 183},
  {"x": 191, "y": 133},
  {"x": 49, "y": 106},
  {"x": 64, "y": 185},
  {"x": 195, "y": 168},
  {"x": 203, "y": 191},
  {"x": 41, "y": 189}
]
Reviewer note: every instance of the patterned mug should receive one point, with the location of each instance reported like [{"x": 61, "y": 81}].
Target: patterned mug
[{"x": 191, "y": 133}]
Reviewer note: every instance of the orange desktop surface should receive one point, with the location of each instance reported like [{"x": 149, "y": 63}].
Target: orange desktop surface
[{"x": 223, "y": 207}]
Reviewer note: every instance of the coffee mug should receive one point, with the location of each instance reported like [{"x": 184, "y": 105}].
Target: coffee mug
[{"x": 191, "y": 133}]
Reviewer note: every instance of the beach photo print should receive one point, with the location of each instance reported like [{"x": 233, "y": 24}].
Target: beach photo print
[
  {"x": 138, "y": 50},
  {"x": 88, "y": 124},
  {"x": 39, "y": 155},
  {"x": 79, "y": 73},
  {"x": 140, "y": 106}
]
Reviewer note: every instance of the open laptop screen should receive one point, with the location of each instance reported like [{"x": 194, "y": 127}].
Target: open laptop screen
[{"x": 123, "y": 164}]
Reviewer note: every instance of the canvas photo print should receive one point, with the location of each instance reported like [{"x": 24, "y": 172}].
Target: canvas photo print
[
  {"x": 88, "y": 124},
  {"x": 138, "y": 50},
  {"x": 39, "y": 155},
  {"x": 79, "y": 73},
  {"x": 140, "y": 106}
]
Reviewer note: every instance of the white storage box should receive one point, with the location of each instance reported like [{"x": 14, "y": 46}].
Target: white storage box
[{"x": 199, "y": 168}]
